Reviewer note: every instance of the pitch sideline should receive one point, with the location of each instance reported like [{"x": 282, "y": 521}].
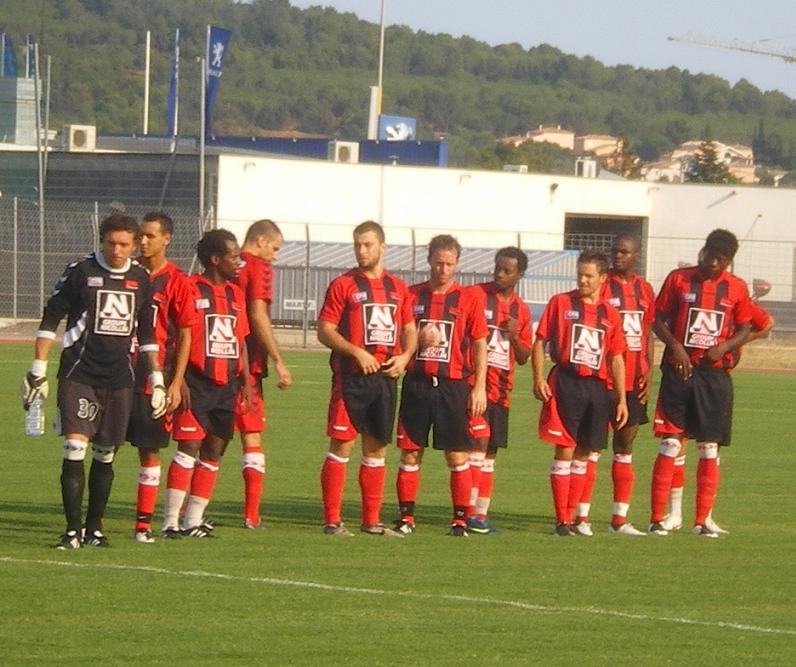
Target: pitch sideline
[{"x": 593, "y": 611}]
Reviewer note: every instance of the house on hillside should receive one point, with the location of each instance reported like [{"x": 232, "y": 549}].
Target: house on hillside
[
  {"x": 553, "y": 135},
  {"x": 673, "y": 166}
]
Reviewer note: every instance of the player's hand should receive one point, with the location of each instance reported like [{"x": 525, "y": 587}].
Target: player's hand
[
  {"x": 644, "y": 388},
  {"x": 476, "y": 402},
  {"x": 620, "y": 418},
  {"x": 367, "y": 362},
  {"x": 512, "y": 326},
  {"x": 34, "y": 384},
  {"x": 394, "y": 366},
  {"x": 158, "y": 399},
  {"x": 173, "y": 397},
  {"x": 542, "y": 391},
  {"x": 284, "y": 378},
  {"x": 681, "y": 363},
  {"x": 713, "y": 354}
]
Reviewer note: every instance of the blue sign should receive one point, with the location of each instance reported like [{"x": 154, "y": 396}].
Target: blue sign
[
  {"x": 8, "y": 62},
  {"x": 217, "y": 43},
  {"x": 173, "y": 103},
  {"x": 397, "y": 128}
]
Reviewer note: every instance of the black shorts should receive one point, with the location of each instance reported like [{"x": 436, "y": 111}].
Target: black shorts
[
  {"x": 436, "y": 403},
  {"x": 636, "y": 410},
  {"x": 212, "y": 405},
  {"x": 99, "y": 413},
  {"x": 698, "y": 408},
  {"x": 145, "y": 432},
  {"x": 370, "y": 401},
  {"x": 497, "y": 417},
  {"x": 579, "y": 412}
]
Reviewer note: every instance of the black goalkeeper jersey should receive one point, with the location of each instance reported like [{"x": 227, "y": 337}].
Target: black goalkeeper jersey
[{"x": 104, "y": 310}]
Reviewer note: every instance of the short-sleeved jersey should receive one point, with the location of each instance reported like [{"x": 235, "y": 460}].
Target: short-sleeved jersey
[
  {"x": 173, "y": 307},
  {"x": 501, "y": 359},
  {"x": 701, "y": 312},
  {"x": 581, "y": 336},
  {"x": 635, "y": 301},
  {"x": 105, "y": 309},
  {"x": 256, "y": 279},
  {"x": 369, "y": 313},
  {"x": 219, "y": 334},
  {"x": 452, "y": 320}
]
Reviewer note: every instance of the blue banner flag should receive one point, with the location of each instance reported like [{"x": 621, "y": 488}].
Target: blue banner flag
[
  {"x": 173, "y": 103},
  {"x": 30, "y": 57},
  {"x": 8, "y": 63},
  {"x": 217, "y": 43}
]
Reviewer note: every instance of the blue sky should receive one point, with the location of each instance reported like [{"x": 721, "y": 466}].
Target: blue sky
[{"x": 613, "y": 31}]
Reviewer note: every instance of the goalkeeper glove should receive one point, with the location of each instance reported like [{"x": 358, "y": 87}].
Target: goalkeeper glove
[
  {"x": 34, "y": 384},
  {"x": 158, "y": 399}
]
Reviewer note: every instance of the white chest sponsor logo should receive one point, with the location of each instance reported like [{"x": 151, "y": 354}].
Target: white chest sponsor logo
[
  {"x": 586, "y": 348},
  {"x": 633, "y": 328},
  {"x": 498, "y": 348},
  {"x": 95, "y": 281},
  {"x": 202, "y": 304},
  {"x": 220, "y": 340},
  {"x": 434, "y": 340},
  {"x": 704, "y": 327},
  {"x": 114, "y": 313},
  {"x": 379, "y": 321}
]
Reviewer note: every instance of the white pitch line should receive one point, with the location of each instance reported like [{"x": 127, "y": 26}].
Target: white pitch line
[{"x": 592, "y": 611}]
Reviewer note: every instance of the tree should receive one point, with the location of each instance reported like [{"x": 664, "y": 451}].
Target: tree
[{"x": 708, "y": 167}]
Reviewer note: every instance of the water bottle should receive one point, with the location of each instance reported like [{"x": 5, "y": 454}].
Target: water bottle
[{"x": 34, "y": 418}]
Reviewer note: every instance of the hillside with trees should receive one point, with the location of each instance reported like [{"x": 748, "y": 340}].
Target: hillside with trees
[{"x": 310, "y": 71}]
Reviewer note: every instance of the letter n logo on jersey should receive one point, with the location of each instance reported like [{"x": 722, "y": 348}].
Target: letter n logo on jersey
[
  {"x": 498, "y": 347},
  {"x": 586, "y": 347},
  {"x": 704, "y": 328},
  {"x": 434, "y": 340},
  {"x": 379, "y": 323},
  {"x": 632, "y": 327},
  {"x": 220, "y": 338},
  {"x": 114, "y": 314}
]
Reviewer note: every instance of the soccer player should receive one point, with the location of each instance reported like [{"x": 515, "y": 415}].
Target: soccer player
[
  {"x": 584, "y": 334},
  {"x": 508, "y": 344},
  {"x": 105, "y": 298},
  {"x": 702, "y": 315},
  {"x": 436, "y": 391},
  {"x": 260, "y": 248},
  {"x": 366, "y": 321},
  {"x": 762, "y": 323},
  {"x": 173, "y": 314},
  {"x": 633, "y": 297},
  {"x": 217, "y": 369}
]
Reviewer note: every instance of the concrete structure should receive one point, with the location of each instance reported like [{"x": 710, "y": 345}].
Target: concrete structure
[
  {"x": 17, "y": 111},
  {"x": 549, "y": 134},
  {"x": 673, "y": 166}
]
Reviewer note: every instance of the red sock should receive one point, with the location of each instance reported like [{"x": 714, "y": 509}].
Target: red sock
[
  {"x": 253, "y": 471},
  {"x": 332, "y": 485},
  {"x": 179, "y": 478},
  {"x": 148, "y": 482},
  {"x": 577, "y": 483},
  {"x": 662, "y": 474},
  {"x": 707, "y": 481},
  {"x": 584, "y": 504},
  {"x": 461, "y": 486},
  {"x": 372, "y": 475},
  {"x": 407, "y": 485},
  {"x": 485, "y": 487},
  {"x": 476, "y": 470},
  {"x": 559, "y": 484},
  {"x": 678, "y": 477},
  {"x": 623, "y": 476},
  {"x": 204, "y": 478}
]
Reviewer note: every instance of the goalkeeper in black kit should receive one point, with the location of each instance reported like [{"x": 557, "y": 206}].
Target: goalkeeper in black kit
[{"x": 106, "y": 301}]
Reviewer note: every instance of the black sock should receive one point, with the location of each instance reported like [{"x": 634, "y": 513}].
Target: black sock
[
  {"x": 73, "y": 480},
  {"x": 100, "y": 478}
]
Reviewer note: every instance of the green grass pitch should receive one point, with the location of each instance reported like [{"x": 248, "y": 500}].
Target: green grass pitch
[{"x": 289, "y": 595}]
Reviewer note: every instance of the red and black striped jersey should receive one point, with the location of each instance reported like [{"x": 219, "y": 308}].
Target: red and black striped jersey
[
  {"x": 581, "y": 336},
  {"x": 218, "y": 336},
  {"x": 256, "y": 279},
  {"x": 701, "y": 312},
  {"x": 173, "y": 303},
  {"x": 635, "y": 301},
  {"x": 105, "y": 310},
  {"x": 446, "y": 326},
  {"x": 501, "y": 359},
  {"x": 369, "y": 313}
]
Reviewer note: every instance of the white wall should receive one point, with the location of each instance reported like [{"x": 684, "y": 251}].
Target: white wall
[{"x": 491, "y": 209}]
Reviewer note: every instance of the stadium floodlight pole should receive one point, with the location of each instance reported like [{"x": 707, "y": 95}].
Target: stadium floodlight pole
[
  {"x": 37, "y": 97},
  {"x": 47, "y": 119},
  {"x": 381, "y": 55},
  {"x": 376, "y": 92},
  {"x": 202, "y": 129},
  {"x": 146, "y": 81}
]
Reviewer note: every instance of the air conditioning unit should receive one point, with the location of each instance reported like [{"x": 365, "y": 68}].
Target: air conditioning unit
[
  {"x": 344, "y": 151},
  {"x": 80, "y": 138},
  {"x": 516, "y": 168}
]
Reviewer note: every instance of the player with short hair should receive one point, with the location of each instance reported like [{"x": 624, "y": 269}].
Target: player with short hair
[
  {"x": 366, "y": 321},
  {"x": 702, "y": 315},
  {"x": 437, "y": 392},
  {"x": 508, "y": 344},
  {"x": 584, "y": 334},
  {"x": 260, "y": 248},
  {"x": 105, "y": 299},
  {"x": 173, "y": 314},
  {"x": 634, "y": 298},
  {"x": 217, "y": 369}
]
